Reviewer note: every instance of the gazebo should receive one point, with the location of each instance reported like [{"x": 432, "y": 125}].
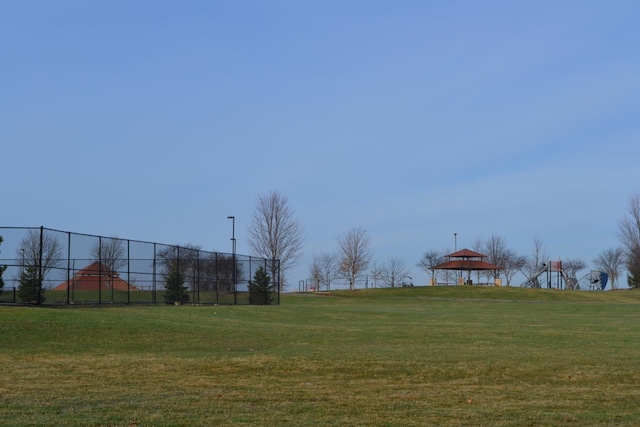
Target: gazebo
[{"x": 466, "y": 260}]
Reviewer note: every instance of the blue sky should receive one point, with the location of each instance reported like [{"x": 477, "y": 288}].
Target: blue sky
[{"x": 155, "y": 120}]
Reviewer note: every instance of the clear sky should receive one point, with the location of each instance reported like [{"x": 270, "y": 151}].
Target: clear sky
[{"x": 155, "y": 120}]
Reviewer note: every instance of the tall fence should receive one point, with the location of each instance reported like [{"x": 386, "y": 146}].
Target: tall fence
[{"x": 75, "y": 268}]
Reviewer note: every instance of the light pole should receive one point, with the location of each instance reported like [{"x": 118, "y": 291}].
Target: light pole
[
  {"x": 233, "y": 257},
  {"x": 455, "y": 249},
  {"x": 233, "y": 234}
]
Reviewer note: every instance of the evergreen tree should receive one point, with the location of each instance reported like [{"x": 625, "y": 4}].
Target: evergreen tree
[
  {"x": 30, "y": 290},
  {"x": 260, "y": 288},
  {"x": 633, "y": 280},
  {"x": 174, "y": 283},
  {"x": 2, "y": 269}
]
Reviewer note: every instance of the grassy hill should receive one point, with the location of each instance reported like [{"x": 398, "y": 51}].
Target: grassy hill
[{"x": 394, "y": 357}]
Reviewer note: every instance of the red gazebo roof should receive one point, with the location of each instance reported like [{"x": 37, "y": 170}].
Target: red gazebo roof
[{"x": 467, "y": 260}]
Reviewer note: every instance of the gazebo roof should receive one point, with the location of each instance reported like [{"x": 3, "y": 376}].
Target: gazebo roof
[
  {"x": 466, "y": 264},
  {"x": 93, "y": 277},
  {"x": 466, "y": 259},
  {"x": 465, "y": 253}
]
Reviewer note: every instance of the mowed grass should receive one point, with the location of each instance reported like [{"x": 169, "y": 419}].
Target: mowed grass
[{"x": 459, "y": 356}]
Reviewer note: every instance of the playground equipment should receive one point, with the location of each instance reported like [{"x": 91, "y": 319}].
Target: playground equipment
[{"x": 558, "y": 278}]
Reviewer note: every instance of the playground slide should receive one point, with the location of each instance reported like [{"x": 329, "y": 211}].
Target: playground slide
[
  {"x": 532, "y": 281},
  {"x": 572, "y": 282}
]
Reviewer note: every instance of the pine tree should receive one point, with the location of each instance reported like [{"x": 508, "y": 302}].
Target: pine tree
[
  {"x": 174, "y": 283},
  {"x": 30, "y": 290},
  {"x": 260, "y": 288}
]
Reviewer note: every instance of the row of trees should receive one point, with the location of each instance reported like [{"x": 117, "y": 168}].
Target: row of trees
[
  {"x": 275, "y": 234},
  {"x": 353, "y": 258}
]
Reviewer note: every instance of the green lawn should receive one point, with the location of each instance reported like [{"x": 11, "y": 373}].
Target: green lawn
[{"x": 458, "y": 356}]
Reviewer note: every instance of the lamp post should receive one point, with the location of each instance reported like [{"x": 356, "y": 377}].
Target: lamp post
[
  {"x": 455, "y": 249},
  {"x": 233, "y": 257}
]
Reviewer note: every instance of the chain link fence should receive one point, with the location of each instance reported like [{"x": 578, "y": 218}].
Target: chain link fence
[{"x": 75, "y": 268}]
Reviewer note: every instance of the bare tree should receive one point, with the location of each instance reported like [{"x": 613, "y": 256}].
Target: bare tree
[
  {"x": 327, "y": 269},
  {"x": 355, "y": 254},
  {"x": 185, "y": 260},
  {"x": 512, "y": 264},
  {"x": 429, "y": 260},
  {"x": 275, "y": 234},
  {"x": 394, "y": 271},
  {"x": 315, "y": 272},
  {"x": 479, "y": 245},
  {"x": 216, "y": 271},
  {"x": 629, "y": 229},
  {"x": 499, "y": 254},
  {"x": 109, "y": 252},
  {"x": 40, "y": 251},
  {"x": 535, "y": 261},
  {"x": 571, "y": 268},
  {"x": 610, "y": 261},
  {"x": 376, "y": 271}
]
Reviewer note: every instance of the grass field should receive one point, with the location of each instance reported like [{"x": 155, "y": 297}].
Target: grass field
[{"x": 458, "y": 356}]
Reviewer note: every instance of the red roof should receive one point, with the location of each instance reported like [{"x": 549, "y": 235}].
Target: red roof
[
  {"x": 466, "y": 264},
  {"x": 93, "y": 277},
  {"x": 465, "y": 253},
  {"x": 466, "y": 259}
]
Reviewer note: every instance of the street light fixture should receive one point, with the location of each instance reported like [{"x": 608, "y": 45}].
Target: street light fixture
[{"x": 233, "y": 234}]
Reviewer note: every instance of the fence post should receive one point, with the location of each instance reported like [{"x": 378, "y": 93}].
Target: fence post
[
  {"x": 68, "y": 267},
  {"x": 40, "y": 278},
  {"x": 128, "y": 271}
]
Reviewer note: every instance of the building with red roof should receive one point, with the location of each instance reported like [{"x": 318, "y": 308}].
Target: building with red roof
[{"x": 93, "y": 277}]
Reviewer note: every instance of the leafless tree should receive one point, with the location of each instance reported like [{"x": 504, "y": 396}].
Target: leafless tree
[
  {"x": 499, "y": 254},
  {"x": 185, "y": 258},
  {"x": 394, "y": 271},
  {"x": 376, "y": 271},
  {"x": 109, "y": 251},
  {"x": 315, "y": 273},
  {"x": 216, "y": 271},
  {"x": 610, "y": 261},
  {"x": 40, "y": 250},
  {"x": 629, "y": 235},
  {"x": 324, "y": 269},
  {"x": 512, "y": 264},
  {"x": 535, "y": 261},
  {"x": 355, "y": 254},
  {"x": 571, "y": 268},
  {"x": 479, "y": 246},
  {"x": 275, "y": 234},
  {"x": 429, "y": 260}
]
